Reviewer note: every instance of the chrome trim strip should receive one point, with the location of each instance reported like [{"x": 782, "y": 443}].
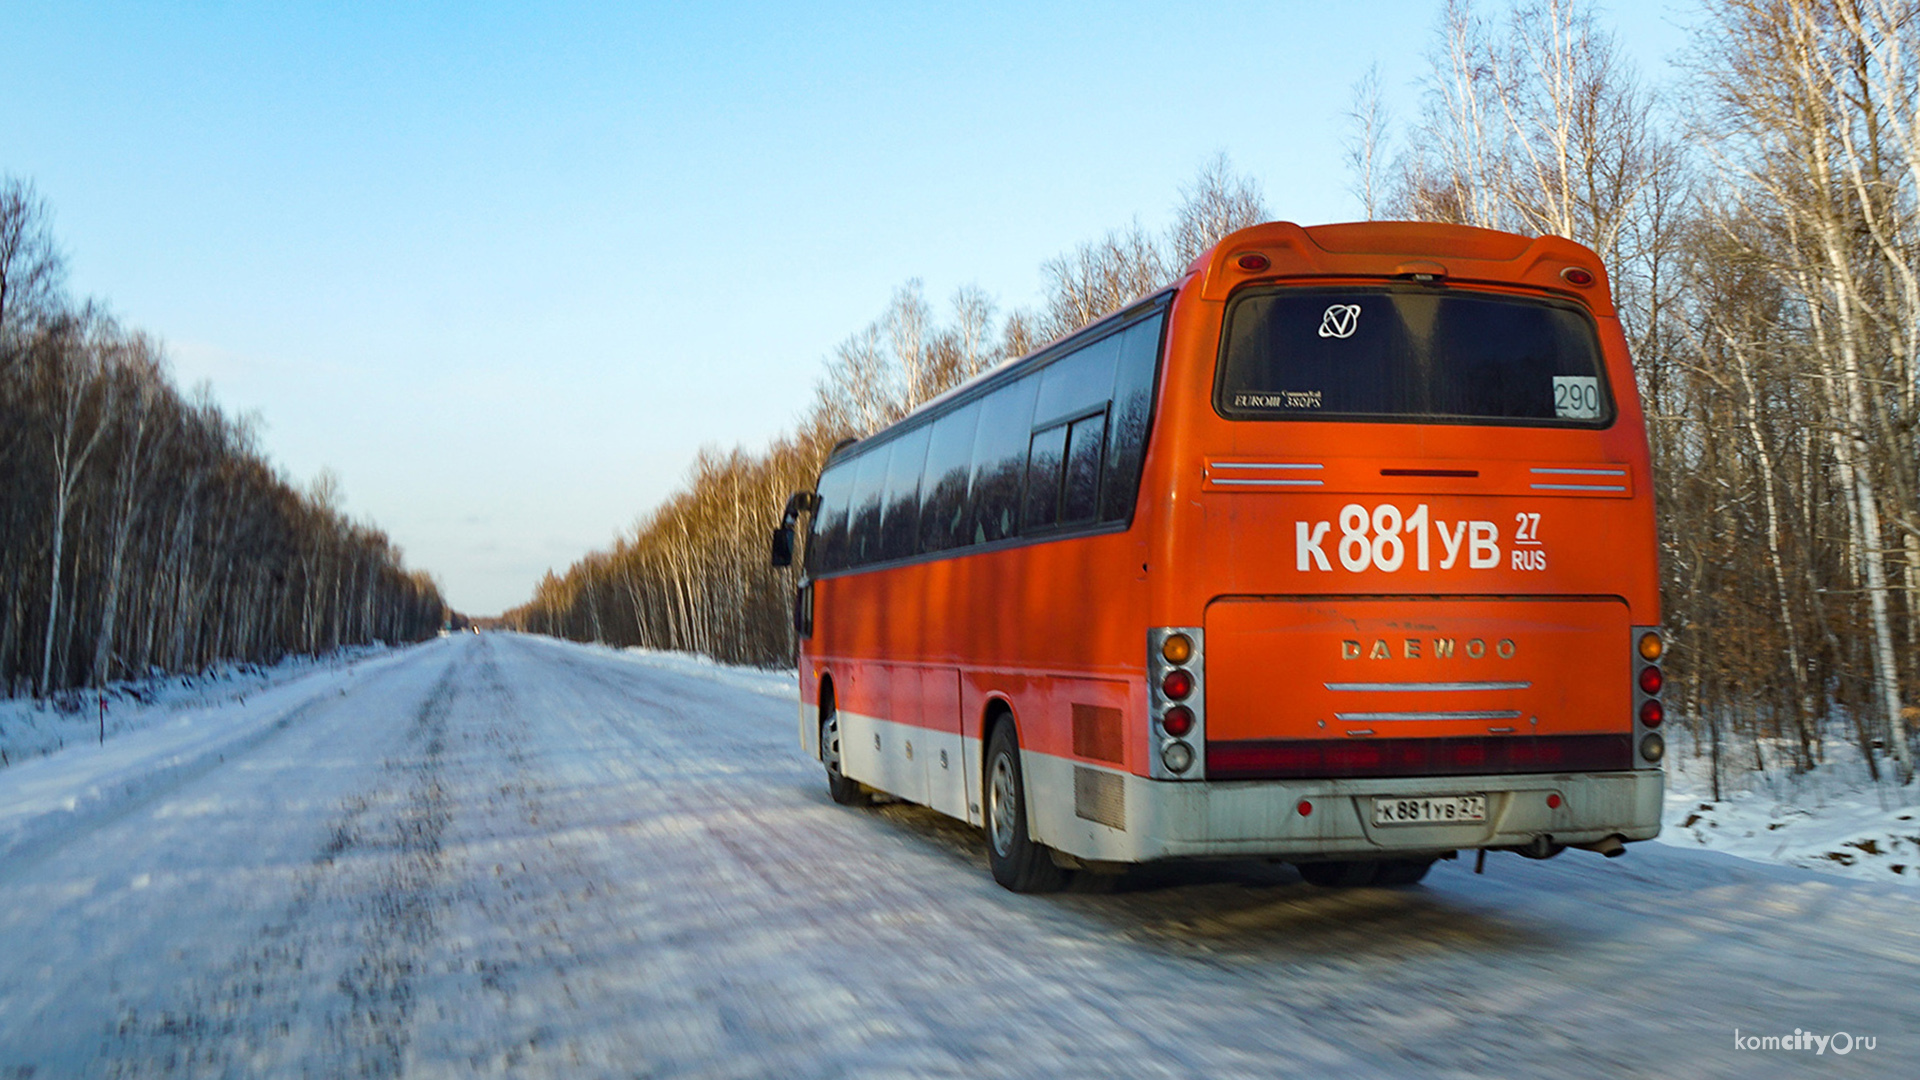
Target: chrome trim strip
[
  {"x": 1265, "y": 483},
  {"x": 1417, "y": 687},
  {"x": 1581, "y": 472},
  {"x": 1574, "y": 487},
  {"x": 1501, "y": 714},
  {"x": 1261, "y": 465}
]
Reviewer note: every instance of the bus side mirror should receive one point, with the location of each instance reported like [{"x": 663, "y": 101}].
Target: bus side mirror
[{"x": 783, "y": 534}]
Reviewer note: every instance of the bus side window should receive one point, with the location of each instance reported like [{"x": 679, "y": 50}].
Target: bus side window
[
  {"x": 863, "y": 521},
  {"x": 1043, "y": 479},
  {"x": 1132, "y": 407},
  {"x": 1080, "y": 494},
  {"x": 1079, "y": 382},
  {"x": 944, "y": 519},
  {"x": 1000, "y": 460},
  {"x": 900, "y": 523},
  {"x": 827, "y": 543}
]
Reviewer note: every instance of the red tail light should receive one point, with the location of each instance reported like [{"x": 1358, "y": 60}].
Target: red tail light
[
  {"x": 1651, "y": 713},
  {"x": 1651, "y": 680},
  {"x": 1177, "y": 684},
  {"x": 1178, "y": 721}
]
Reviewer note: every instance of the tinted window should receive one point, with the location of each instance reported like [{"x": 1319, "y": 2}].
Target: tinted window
[
  {"x": 1132, "y": 408},
  {"x": 1077, "y": 382},
  {"x": 944, "y": 522},
  {"x": 1044, "y": 460},
  {"x": 863, "y": 525},
  {"x": 1000, "y": 460},
  {"x": 900, "y": 523},
  {"x": 1414, "y": 352},
  {"x": 1080, "y": 489},
  {"x": 827, "y": 546}
]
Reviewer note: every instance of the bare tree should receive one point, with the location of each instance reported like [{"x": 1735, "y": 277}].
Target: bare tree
[
  {"x": 32, "y": 270},
  {"x": 1217, "y": 202},
  {"x": 1368, "y": 122}
]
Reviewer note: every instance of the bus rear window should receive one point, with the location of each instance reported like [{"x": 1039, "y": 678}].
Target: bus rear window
[{"x": 1410, "y": 353}]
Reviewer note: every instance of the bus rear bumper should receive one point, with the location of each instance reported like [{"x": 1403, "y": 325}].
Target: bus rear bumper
[{"x": 1226, "y": 819}]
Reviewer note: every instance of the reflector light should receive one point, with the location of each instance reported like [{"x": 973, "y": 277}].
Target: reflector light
[
  {"x": 1651, "y": 713},
  {"x": 1253, "y": 262},
  {"x": 1577, "y": 276},
  {"x": 1178, "y": 757},
  {"x": 1553, "y": 802},
  {"x": 1177, "y": 684},
  {"x": 1177, "y": 649},
  {"x": 1305, "y": 808},
  {"x": 1178, "y": 721},
  {"x": 1653, "y": 748},
  {"x": 1651, "y": 680},
  {"x": 1650, "y": 646}
]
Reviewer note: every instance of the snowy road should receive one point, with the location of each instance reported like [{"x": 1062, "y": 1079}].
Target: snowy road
[{"x": 504, "y": 855}]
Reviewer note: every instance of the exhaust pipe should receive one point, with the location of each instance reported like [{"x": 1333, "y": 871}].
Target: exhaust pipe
[{"x": 1612, "y": 846}]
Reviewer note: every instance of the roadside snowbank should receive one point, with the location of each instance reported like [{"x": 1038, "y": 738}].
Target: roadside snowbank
[
  {"x": 1834, "y": 819},
  {"x": 184, "y": 726},
  {"x": 30, "y": 728},
  {"x": 773, "y": 682}
]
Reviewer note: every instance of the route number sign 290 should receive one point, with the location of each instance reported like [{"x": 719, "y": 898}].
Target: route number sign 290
[{"x": 1576, "y": 397}]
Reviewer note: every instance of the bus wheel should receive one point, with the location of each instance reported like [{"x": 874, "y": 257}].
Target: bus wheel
[
  {"x": 1402, "y": 871},
  {"x": 845, "y": 790},
  {"x": 1018, "y": 863},
  {"x": 1338, "y": 875}
]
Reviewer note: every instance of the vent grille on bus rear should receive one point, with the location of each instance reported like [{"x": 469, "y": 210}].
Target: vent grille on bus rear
[{"x": 1100, "y": 796}]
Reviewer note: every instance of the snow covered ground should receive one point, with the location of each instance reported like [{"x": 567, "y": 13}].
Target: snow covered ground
[
  {"x": 499, "y": 855},
  {"x": 1834, "y": 819},
  {"x": 31, "y": 728}
]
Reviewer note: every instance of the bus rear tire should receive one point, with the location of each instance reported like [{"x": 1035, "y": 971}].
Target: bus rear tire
[
  {"x": 840, "y": 787},
  {"x": 1018, "y": 862},
  {"x": 1338, "y": 875}
]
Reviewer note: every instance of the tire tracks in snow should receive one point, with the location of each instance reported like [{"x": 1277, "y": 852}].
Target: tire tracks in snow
[{"x": 348, "y": 944}]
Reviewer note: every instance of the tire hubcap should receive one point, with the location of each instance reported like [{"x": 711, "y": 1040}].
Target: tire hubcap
[
  {"x": 830, "y": 740},
  {"x": 1002, "y": 804}
]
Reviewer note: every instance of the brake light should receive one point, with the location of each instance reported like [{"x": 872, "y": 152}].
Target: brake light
[
  {"x": 1651, "y": 680},
  {"x": 1651, "y": 713},
  {"x": 1178, "y": 721},
  {"x": 1177, "y": 684}
]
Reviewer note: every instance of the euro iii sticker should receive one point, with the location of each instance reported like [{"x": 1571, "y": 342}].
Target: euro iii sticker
[{"x": 1576, "y": 397}]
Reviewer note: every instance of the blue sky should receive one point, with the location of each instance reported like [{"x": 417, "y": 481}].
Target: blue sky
[{"x": 505, "y": 268}]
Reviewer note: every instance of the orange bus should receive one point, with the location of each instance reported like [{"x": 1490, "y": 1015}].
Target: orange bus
[{"x": 1338, "y": 551}]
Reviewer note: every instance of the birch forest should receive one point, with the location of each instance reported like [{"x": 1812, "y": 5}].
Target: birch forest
[
  {"x": 1760, "y": 215},
  {"x": 143, "y": 531}
]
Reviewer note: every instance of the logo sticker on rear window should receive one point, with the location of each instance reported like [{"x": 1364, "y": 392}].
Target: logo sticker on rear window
[
  {"x": 1340, "y": 320},
  {"x": 1576, "y": 397}
]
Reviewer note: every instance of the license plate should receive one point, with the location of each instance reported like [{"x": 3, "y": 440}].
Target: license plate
[{"x": 1429, "y": 810}]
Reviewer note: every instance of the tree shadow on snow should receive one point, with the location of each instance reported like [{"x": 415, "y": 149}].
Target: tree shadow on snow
[{"x": 1255, "y": 909}]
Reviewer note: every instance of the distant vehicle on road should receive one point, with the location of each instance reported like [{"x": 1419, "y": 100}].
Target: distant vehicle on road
[{"x": 1340, "y": 550}]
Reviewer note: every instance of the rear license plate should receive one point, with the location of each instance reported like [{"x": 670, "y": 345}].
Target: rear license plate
[{"x": 1429, "y": 810}]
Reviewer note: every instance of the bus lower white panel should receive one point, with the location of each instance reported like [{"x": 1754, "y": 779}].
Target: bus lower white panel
[
  {"x": 907, "y": 762},
  {"x": 946, "y": 772},
  {"x": 1262, "y": 818}
]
